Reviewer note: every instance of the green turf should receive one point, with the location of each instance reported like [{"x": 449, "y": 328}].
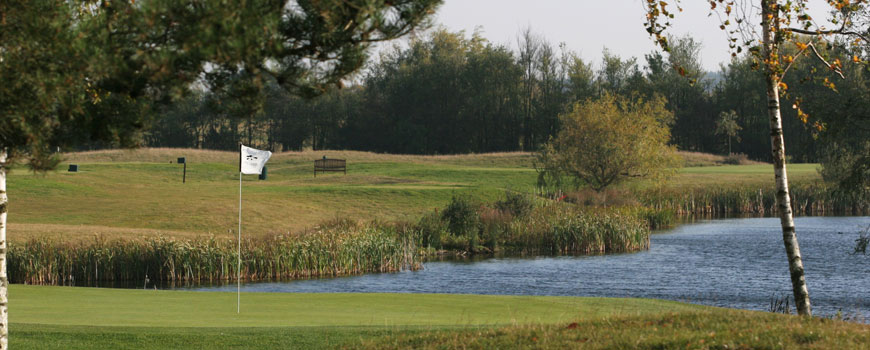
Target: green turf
[{"x": 116, "y": 318}]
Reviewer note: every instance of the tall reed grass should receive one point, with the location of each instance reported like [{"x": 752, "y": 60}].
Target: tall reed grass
[
  {"x": 543, "y": 227},
  {"x": 343, "y": 248},
  {"x": 806, "y": 199},
  {"x": 565, "y": 229}
]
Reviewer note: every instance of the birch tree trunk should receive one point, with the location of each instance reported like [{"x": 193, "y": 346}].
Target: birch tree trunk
[
  {"x": 4, "y": 281},
  {"x": 769, "y": 22}
]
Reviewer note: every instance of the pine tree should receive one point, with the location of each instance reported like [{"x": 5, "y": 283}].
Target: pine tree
[{"x": 91, "y": 72}]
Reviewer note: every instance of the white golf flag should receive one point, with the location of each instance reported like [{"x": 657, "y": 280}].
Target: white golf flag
[{"x": 251, "y": 160}]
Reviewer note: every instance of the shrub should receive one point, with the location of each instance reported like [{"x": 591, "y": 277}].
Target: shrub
[
  {"x": 516, "y": 203},
  {"x": 432, "y": 230},
  {"x": 462, "y": 219}
]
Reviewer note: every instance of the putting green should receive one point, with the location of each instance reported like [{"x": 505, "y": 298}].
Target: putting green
[{"x": 149, "y": 308}]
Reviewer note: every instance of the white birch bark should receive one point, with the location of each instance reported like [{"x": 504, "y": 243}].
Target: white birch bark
[
  {"x": 4, "y": 281},
  {"x": 770, "y": 17}
]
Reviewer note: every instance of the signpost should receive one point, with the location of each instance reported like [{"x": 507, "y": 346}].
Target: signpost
[{"x": 181, "y": 160}]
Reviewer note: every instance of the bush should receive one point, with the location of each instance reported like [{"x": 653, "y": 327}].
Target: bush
[
  {"x": 432, "y": 230},
  {"x": 462, "y": 219},
  {"x": 516, "y": 203}
]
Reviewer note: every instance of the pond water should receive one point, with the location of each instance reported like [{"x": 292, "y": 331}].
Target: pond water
[{"x": 737, "y": 263}]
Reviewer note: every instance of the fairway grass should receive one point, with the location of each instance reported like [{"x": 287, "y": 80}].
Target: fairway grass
[
  {"x": 140, "y": 192},
  {"x": 133, "y": 194},
  {"x": 44, "y": 317}
]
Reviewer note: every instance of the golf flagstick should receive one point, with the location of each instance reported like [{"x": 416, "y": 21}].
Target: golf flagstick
[
  {"x": 239, "y": 268},
  {"x": 251, "y": 161}
]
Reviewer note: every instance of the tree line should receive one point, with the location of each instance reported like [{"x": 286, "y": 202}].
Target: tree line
[{"x": 448, "y": 92}]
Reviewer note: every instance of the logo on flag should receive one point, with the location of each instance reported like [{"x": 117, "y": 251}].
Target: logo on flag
[{"x": 251, "y": 160}]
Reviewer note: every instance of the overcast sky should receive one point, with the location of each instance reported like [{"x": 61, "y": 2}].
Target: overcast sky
[{"x": 586, "y": 26}]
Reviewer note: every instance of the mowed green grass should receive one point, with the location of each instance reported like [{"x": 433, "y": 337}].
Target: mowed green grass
[
  {"x": 139, "y": 193},
  {"x": 91, "y": 318}
]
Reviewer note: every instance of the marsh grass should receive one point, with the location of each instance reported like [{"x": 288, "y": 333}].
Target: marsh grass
[
  {"x": 335, "y": 249},
  {"x": 565, "y": 229},
  {"x": 523, "y": 224},
  {"x": 514, "y": 225},
  {"x": 807, "y": 198}
]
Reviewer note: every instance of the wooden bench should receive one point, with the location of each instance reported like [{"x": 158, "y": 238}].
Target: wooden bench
[{"x": 327, "y": 165}]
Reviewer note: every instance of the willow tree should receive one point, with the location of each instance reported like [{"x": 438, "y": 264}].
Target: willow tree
[
  {"x": 90, "y": 72},
  {"x": 782, "y": 23}
]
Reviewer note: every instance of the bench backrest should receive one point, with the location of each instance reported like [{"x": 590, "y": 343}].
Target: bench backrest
[{"x": 330, "y": 164}]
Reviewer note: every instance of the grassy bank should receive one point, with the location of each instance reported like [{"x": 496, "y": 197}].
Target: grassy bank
[
  {"x": 721, "y": 329},
  {"x": 90, "y": 318}
]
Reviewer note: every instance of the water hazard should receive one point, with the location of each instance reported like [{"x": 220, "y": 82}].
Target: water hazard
[{"x": 737, "y": 263}]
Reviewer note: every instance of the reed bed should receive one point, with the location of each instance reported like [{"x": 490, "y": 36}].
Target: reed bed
[
  {"x": 564, "y": 229},
  {"x": 344, "y": 248},
  {"x": 536, "y": 227},
  {"x": 806, "y": 199}
]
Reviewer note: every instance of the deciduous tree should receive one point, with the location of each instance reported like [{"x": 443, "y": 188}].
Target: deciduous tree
[
  {"x": 726, "y": 125},
  {"x": 606, "y": 141},
  {"x": 782, "y": 22}
]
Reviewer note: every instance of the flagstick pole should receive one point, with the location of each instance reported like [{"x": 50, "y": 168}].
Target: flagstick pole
[{"x": 239, "y": 269}]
